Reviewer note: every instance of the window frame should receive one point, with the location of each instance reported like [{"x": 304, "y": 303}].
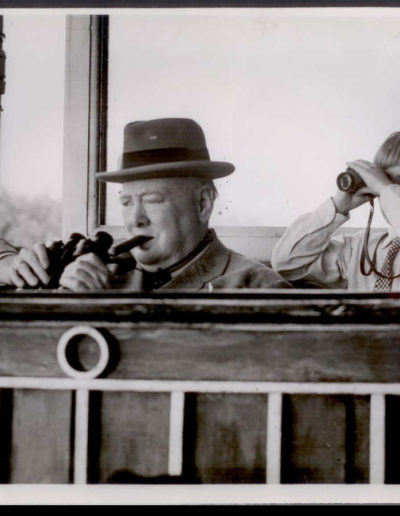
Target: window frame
[{"x": 85, "y": 123}]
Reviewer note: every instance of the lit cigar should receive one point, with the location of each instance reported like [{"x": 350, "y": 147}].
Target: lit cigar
[{"x": 127, "y": 245}]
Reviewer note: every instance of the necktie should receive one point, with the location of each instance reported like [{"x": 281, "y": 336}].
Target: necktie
[
  {"x": 385, "y": 284},
  {"x": 155, "y": 280}
]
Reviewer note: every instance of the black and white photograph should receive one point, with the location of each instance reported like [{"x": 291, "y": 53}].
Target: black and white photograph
[{"x": 199, "y": 255}]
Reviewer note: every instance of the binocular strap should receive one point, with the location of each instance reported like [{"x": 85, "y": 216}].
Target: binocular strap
[{"x": 365, "y": 257}]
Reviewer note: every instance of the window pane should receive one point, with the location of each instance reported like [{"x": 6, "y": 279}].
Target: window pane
[
  {"x": 31, "y": 156},
  {"x": 287, "y": 96}
]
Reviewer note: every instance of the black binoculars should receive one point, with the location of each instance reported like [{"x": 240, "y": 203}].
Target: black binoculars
[
  {"x": 62, "y": 253},
  {"x": 349, "y": 181}
]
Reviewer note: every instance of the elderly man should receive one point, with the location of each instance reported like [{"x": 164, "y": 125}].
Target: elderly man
[{"x": 167, "y": 195}]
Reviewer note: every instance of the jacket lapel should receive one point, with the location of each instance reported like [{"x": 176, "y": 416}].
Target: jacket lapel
[{"x": 211, "y": 264}]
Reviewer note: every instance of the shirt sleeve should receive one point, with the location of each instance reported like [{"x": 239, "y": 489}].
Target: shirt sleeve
[
  {"x": 307, "y": 251},
  {"x": 390, "y": 206},
  {"x": 6, "y": 249}
]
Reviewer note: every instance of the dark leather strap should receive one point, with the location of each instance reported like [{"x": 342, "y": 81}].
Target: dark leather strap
[{"x": 365, "y": 257}]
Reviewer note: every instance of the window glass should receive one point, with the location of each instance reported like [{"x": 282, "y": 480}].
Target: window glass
[
  {"x": 287, "y": 96},
  {"x": 31, "y": 153}
]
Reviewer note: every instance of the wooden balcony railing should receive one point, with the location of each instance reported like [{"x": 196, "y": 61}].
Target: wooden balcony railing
[{"x": 245, "y": 387}]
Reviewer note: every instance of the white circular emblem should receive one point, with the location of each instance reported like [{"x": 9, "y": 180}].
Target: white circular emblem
[{"x": 68, "y": 337}]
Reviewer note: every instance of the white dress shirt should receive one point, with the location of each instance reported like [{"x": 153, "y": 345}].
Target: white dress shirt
[{"x": 310, "y": 250}]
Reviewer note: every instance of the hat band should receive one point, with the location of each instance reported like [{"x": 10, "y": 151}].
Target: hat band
[{"x": 168, "y": 155}]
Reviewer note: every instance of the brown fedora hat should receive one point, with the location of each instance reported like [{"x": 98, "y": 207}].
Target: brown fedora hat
[{"x": 165, "y": 147}]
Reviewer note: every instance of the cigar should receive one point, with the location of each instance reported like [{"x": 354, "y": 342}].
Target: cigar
[{"x": 127, "y": 245}]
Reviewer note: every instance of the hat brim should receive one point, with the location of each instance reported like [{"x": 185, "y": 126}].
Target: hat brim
[{"x": 201, "y": 168}]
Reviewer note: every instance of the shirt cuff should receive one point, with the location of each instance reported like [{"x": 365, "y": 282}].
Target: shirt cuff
[{"x": 326, "y": 215}]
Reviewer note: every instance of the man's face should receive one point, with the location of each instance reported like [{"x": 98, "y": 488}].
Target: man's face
[{"x": 165, "y": 209}]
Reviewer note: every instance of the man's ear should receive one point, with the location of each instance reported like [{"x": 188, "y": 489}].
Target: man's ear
[{"x": 205, "y": 202}]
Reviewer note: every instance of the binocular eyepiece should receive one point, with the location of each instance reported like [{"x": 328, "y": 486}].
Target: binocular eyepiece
[{"x": 349, "y": 181}]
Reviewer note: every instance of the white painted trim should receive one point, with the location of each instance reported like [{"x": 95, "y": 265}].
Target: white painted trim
[
  {"x": 274, "y": 438},
  {"x": 198, "y": 494},
  {"x": 176, "y": 433},
  {"x": 76, "y": 126},
  {"x": 203, "y": 386},
  {"x": 248, "y": 328},
  {"x": 81, "y": 436},
  {"x": 377, "y": 439}
]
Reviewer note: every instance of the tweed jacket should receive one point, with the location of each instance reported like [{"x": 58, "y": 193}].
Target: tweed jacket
[{"x": 216, "y": 267}]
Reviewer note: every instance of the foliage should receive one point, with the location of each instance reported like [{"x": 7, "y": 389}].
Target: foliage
[{"x": 25, "y": 221}]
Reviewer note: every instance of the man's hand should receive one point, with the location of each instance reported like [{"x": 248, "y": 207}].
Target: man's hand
[
  {"x": 87, "y": 272},
  {"x": 28, "y": 267},
  {"x": 374, "y": 177},
  {"x": 346, "y": 202},
  {"x": 375, "y": 180}
]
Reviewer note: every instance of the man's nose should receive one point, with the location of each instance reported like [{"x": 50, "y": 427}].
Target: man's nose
[{"x": 137, "y": 216}]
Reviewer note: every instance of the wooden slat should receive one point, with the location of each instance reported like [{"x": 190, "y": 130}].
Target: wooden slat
[
  {"x": 41, "y": 431},
  {"x": 5, "y": 434},
  {"x": 225, "y": 438},
  {"x": 132, "y": 432},
  {"x": 313, "y": 440},
  {"x": 392, "y": 442},
  {"x": 357, "y": 439},
  {"x": 250, "y": 306},
  {"x": 271, "y": 354},
  {"x": 319, "y": 439},
  {"x": 30, "y": 352},
  {"x": 169, "y": 351}
]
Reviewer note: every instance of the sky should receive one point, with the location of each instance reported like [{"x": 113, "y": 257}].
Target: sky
[{"x": 287, "y": 96}]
